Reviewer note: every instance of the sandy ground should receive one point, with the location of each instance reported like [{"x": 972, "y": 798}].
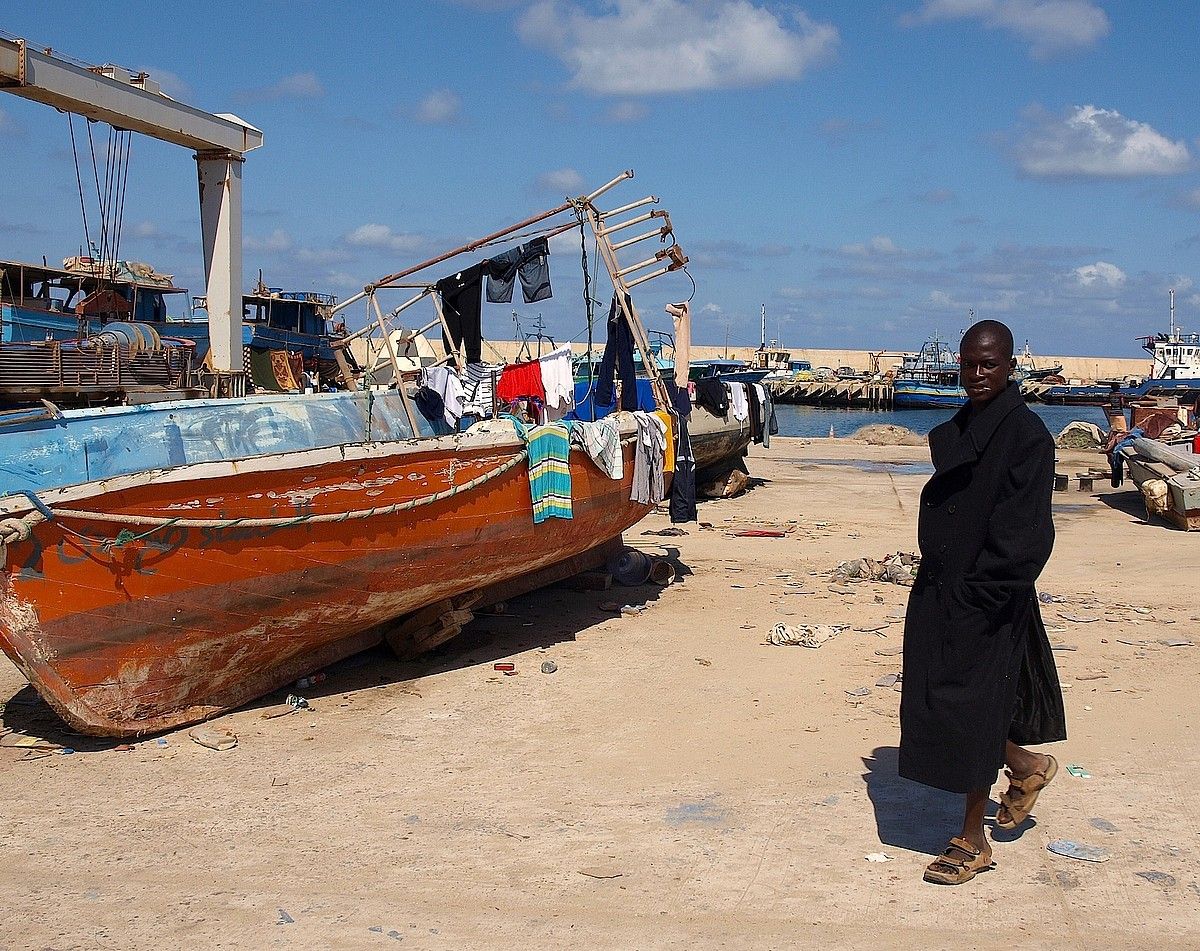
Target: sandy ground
[{"x": 676, "y": 784}]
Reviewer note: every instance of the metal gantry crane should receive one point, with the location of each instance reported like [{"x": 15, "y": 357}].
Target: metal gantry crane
[{"x": 133, "y": 102}]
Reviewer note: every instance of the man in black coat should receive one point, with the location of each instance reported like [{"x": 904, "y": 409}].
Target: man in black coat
[{"x": 979, "y": 677}]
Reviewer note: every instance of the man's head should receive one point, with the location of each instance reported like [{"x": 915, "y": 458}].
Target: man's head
[{"x": 985, "y": 359}]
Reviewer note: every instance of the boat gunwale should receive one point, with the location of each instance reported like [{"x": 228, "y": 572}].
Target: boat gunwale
[{"x": 480, "y": 437}]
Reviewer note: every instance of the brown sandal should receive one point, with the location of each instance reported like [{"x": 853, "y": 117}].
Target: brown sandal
[
  {"x": 959, "y": 863},
  {"x": 1018, "y": 801}
]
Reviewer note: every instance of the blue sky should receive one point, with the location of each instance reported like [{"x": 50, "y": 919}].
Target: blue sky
[{"x": 871, "y": 172}]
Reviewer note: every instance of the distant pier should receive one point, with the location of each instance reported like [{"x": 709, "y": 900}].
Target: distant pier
[{"x": 869, "y": 394}]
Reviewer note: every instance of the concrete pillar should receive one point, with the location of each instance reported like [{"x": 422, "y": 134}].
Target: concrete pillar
[{"x": 220, "y": 175}]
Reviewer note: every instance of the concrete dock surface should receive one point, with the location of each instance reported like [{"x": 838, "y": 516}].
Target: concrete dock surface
[{"x": 675, "y": 783}]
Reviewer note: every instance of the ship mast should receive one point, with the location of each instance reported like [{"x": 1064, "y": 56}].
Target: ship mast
[{"x": 762, "y": 333}]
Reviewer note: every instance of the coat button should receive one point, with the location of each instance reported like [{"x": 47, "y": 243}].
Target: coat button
[
  {"x": 950, "y": 509},
  {"x": 941, "y": 548}
]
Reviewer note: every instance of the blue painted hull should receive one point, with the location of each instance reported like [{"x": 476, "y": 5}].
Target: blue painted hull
[{"x": 909, "y": 395}]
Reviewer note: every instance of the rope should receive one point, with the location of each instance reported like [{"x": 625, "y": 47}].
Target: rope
[
  {"x": 87, "y": 235},
  {"x": 279, "y": 522}
]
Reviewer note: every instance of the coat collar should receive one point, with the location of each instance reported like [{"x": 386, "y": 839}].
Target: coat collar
[{"x": 963, "y": 439}]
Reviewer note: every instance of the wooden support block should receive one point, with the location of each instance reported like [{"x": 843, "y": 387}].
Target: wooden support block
[
  {"x": 589, "y": 581},
  {"x": 1085, "y": 483},
  {"x": 1060, "y": 482}
]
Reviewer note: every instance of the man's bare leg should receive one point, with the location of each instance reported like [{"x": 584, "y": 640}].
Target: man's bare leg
[
  {"x": 1022, "y": 762},
  {"x": 972, "y": 831}
]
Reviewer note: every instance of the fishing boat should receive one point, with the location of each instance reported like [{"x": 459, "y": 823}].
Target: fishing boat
[
  {"x": 1174, "y": 373},
  {"x": 165, "y": 563},
  {"x": 1168, "y": 478},
  {"x": 89, "y": 296},
  {"x": 928, "y": 379}
]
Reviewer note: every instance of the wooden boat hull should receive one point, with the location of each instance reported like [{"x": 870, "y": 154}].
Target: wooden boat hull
[
  {"x": 717, "y": 440},
  {"x": 128, "y": 635}
]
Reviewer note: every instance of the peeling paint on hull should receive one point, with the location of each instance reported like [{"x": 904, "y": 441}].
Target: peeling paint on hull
[{"x": 189, "y": 622}]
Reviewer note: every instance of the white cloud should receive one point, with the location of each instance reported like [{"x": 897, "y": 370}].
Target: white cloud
[
  {"x": 293, "y": 86},
  {"x": 1049, "y": 26},
  {"x": 1098, "y": 143},
  {"x": 277, "y": 241},
  {"x": 381, "y": 236},
  {"x": 565, "y": 180},
  {"x": 440, "y": 107},
  {"x": 171, "y": 83},
  {"x": 646, "y": 47},
  {"x": 878, "y": 246},
  {"x": 1100, "y": 274}
]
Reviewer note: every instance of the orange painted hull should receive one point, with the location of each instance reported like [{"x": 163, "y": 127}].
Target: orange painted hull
[{"x": 129, "y": 637}]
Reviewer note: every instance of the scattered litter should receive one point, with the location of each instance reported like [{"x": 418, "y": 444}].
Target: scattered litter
[
  {"x": 294, "y": 700},
  {"x": 878, "y": 857},
  {"x": 888, "y": 680},
  {"x": 666, "y": 531},
  {"x": 1062, "y": 647},
  {"x": 280, "y": 711},
  {"x": 1102, "y": 824},
  {"x": 214, "y": 739},
  {"x": 859, "y": 692},
  {"x": 898, "y": 568},
  {"x": 1092, "y": 675},
  {"x": 600, "y": 872},
  {"x": 841, "y": 589},
  {"x": 503, "y": 667},
  {"x": 830, "y": 801},
  {"x": 1078, "y": 771},
  {"x": 632, "y": 610},
  {"x": 285, "y": 918},
  {"x": 1079, "y": 850},
  {"x": 874, "y": 628},
  {"x": 1175, "y": 642},
  {"x": 1046, "y": 598},
  {"x": 122, "y": 748},
  {"x": 1079, "y": 618},
  {"x": 161, "y": 741},
  {"x": 311, "y": 681},
  {"x": 1141, "y": 610},
  {"x": 737, "y": 586},
  {"x": 703, "y": 661},
  {"x": 759, "y": 533},
  {"x": 890, "y": 651},
  {"x": 549, "y": 667},
  {"x": 65, "y": 751},
  {"x": 1158, "y": 878},
  {"x": 803, "y": 635}
]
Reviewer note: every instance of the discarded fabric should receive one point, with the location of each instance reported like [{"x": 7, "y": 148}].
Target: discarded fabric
[
  {"x": 803, "y": 635},
  {"x": 899, "y": 568}
]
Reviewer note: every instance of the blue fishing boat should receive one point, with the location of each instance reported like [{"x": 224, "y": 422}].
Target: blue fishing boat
[{"x": 928, "y": 379}]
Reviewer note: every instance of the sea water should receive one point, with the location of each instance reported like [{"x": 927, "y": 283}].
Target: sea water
[{"x": 816, "y": 420}]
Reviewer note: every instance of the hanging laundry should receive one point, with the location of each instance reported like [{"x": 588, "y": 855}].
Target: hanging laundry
[
  {"x": 462, "y": 306},
  {"x": 737, "y": 401},
  {"x": 755, "y": 407},
  {"x": 601, "y": 441},
  {"x": 618, "y": 356},
  {"x": 770, "y": 425},
  {"x": 521, "y": 379},
  {"x": 479, "y": 383},
  {"x": 713, "y": 395},
  {"x": 681, "y": 320},
  {"x": 649, "y": 450},
  {"x": 445, "y": 383},
  {"x": 557, "y": 379},
  {"x": 433, "y": 408},
  {"x": 549, "y": 468},
  {"x": 531, "y": 262},
  {"x": 683, "y": 483}
]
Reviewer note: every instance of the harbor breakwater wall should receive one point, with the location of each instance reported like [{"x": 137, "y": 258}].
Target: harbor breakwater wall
[{"x": 1074, "y": 367}]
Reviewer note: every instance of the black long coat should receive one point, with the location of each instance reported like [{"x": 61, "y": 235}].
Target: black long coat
[{"x": 977, "y": 663}]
